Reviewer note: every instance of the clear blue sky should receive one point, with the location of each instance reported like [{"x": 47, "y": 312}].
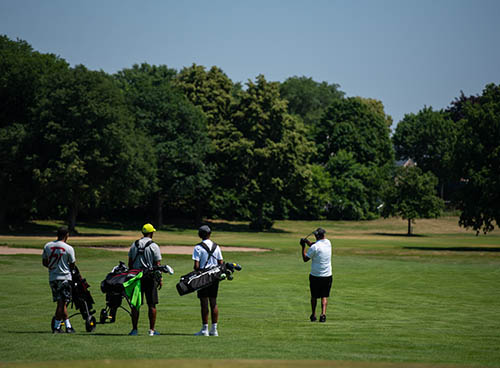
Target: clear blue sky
[{"x": 405, "y": 53}]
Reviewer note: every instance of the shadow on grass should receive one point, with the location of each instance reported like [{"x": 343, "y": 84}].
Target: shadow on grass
[
  {"x": 83, "y": 333},
  {"x": 457, "y": 249},
  {"x": 29, "y": 228},
  {"x": 219, "y": 226},
  {"x": 88, "y": 229},
  {"x": 401, "y": 235},
  {"x": 126, "y": 334},
  {"x": 37, "y": 229}
]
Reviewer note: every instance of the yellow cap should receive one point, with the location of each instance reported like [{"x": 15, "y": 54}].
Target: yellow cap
[{"x": 148, "y": 228}]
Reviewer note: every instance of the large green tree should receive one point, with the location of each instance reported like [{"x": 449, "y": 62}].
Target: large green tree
[
  {"x": 412, "y": 196},
  {"x": 86, "y": 149},
  {"x": 355, "y": 148},
  {"x": 21, "y": 73},
  {"x": 309, "y": 99},
  {"x": 429, "y": 138},
  {"x": 275, "y": 150},
  {"x": 177, "y": 133},
  {"x": 214, "y": 92},
  {"x": 353, "y": 125},
  {"x": 477, "y": 159}
]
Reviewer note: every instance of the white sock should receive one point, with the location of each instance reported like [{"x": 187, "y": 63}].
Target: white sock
[
  {"x": 214, "y": 326},
  {"x": 57, "y": 324},
  {"x": 204, "y": 327},
  {"x": 67, "y": 323}
]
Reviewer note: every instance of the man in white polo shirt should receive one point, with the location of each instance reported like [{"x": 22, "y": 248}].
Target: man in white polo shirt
[{"x": 320, "y": 279}]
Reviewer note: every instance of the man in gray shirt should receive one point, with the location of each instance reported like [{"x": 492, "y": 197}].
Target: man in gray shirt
[
  {"x": 59, "y": 258},
  {"x": 144, "y": 254}
]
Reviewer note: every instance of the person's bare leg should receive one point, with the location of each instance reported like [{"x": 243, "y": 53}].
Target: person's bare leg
[
  {"x": 324, "y": 304},
  {"x": 314, "y": 302},
  {"x": 204, "y": 310},
  {"x": 152, "y": 317},
  {"x": 135, "y": 317},
  {"x": 61, "y": 310},
  {"x": 215, "y": 310}
]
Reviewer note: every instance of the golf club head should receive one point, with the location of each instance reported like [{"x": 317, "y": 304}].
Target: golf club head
[{"x": 233, "y": 266}]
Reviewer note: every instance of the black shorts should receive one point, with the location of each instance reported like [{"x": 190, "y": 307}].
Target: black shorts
[
  {"x": 209, "y": 292},
  {"x": 149, "y": 288},
  {"x": 320, "y": 286}
]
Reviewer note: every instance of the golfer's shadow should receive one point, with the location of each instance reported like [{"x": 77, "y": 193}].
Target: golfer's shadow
[
  {"x": 31, "y": 332},
  {"x": 125, "y": 334},
  {"x": 83, "y": 333}
]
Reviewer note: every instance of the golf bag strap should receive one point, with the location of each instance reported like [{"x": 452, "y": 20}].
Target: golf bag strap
[
  {"x": 210, "y": 252},
  {"x": 137, "y": 246}
]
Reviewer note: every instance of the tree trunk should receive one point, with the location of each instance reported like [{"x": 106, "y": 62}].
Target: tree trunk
[
  {"x": 158, "y": 209},
  {"x": 3, "y": 209},
  {"x": 198, "y": 213},
  {"x": 409, "y": 227},
  {"x": 73, "y": 213}
]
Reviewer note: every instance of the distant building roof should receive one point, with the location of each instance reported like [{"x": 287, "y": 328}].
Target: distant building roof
[{"x": 406, "y": 163}]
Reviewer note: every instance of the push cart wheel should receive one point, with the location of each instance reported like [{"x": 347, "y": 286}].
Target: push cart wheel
[
  {"x": 90, "y": 324},
  {"x": 104, "y": 316}
]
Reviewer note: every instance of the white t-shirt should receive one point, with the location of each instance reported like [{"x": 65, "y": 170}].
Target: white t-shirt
[
  {"x": 59, "y": 256},
  {"x": 320, "y": 254},
  {"x": 150, "y": 256},
  {"x": 201, "y": 255}
]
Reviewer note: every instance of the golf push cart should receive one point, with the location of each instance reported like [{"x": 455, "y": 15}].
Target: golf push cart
[
  {"x": 113, "y": 287},
  {"x": 81, "y": 300}
]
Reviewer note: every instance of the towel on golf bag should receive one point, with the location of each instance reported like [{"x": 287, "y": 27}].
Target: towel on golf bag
[
  {"x": 200, "y": 279},
  {"x": 133, "y": 290}
]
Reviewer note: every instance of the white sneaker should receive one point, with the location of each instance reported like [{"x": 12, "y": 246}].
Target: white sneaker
[
  {"x": 202, "y": 332},
  {"x": 213, "y": 332}
]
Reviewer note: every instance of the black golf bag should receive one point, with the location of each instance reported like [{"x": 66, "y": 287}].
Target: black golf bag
[
  {"x": 81, "y": 299},
  {"x": 112, "y": 286},
  {"x": 200, "y": 279}
]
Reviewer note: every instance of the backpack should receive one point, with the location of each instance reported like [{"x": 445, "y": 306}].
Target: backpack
[{"x": 140, "y": 251}]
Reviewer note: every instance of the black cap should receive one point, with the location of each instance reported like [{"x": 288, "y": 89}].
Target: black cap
[
  {"x": 319, "y": 232},
  {"x": 203, "y": 231}
]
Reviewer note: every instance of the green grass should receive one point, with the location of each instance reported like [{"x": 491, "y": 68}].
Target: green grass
[{"x": 428, "y": 299}]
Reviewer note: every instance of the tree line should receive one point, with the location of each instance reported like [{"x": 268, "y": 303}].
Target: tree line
[{"x": 159, "y": 143}]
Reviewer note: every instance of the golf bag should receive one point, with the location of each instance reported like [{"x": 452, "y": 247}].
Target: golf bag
[
  {"x": 200, "y": 279},
  {"x": 112, "y": 286},
  {"x": 81, "y": 299}
]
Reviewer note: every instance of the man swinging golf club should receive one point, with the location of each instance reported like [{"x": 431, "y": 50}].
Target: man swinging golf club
[{"x": 320, "y": 278}]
